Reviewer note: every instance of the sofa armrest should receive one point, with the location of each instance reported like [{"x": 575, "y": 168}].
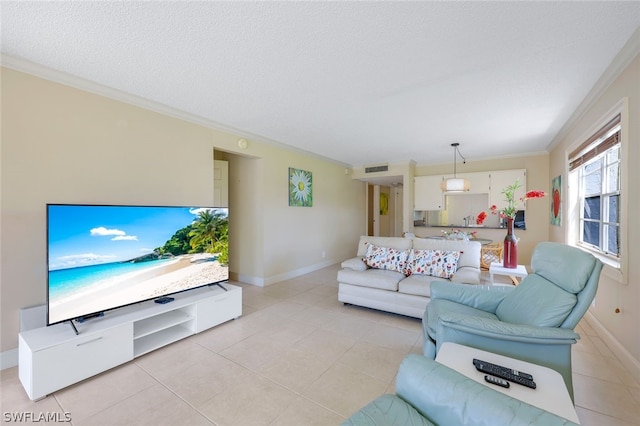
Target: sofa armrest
[
  {"x": 466, "y": 275},
  {"x": 499, "y": 330},
  {"x": 355, "y": 263},
  {"x": 486, "y": 298},
  {"x": 447, "y": 397}
]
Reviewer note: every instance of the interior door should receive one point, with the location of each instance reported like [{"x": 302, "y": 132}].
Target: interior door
[
  {"x": 373, "y": 210},
  {"x": 398, "y": 211}
]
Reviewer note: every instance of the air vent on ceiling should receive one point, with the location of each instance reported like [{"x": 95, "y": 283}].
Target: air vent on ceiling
[{"x": 374, "y": 169}]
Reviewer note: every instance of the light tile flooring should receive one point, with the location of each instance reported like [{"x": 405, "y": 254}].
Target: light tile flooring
[{"x": 296, "y": 357}]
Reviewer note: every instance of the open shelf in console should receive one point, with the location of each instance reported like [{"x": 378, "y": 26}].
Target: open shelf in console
[
  {"x": 161, "y": 338},
  {"x": 159, "y": 322},
  {"x": 157, "y": 331}
]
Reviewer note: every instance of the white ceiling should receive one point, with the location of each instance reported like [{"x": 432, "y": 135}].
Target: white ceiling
[{"x": 357, "y": 82}]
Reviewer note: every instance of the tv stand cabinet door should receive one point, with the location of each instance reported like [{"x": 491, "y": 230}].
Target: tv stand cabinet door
[
  {"x": 49, "y": 369},
  {"x": 224, "y": 306}
]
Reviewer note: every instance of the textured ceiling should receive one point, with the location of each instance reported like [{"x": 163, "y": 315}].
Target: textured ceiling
[{"x": 358, "y": 82}]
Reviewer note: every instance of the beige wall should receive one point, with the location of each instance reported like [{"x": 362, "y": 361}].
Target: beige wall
[
  {"x": 612, "y": 293},
  {"x": 538, "y": 215},
  {"x": 65, "y": 145}
]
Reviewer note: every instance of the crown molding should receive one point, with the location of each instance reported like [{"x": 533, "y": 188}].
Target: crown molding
[
  {"x": 41, "y": 71},
  {"x": 622, "y": 60}
]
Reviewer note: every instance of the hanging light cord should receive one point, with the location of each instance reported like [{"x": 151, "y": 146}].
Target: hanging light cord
[{"x": 456, "y": 150}]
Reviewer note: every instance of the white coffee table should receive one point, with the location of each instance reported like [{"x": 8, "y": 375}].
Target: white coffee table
[
  {"x": 550, "y": 394},
  {"x": 497, "y": 269}
]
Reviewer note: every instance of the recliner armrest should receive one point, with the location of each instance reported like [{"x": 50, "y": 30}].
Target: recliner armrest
[
  {"x": 486, "y": 298},
  {"x": 447, "y": 397},
  {"x": 497, "y": 329}
]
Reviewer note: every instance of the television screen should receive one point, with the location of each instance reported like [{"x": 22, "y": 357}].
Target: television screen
[{"x": 102, "y": 257}]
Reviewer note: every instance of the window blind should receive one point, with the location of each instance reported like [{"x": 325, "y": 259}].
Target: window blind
[{"x": 595, "y": 145}]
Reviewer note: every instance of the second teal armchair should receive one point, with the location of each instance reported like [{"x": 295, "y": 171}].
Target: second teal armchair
[
  {"x": 533, "y": 321},
  {"x": 431, "y": 394}
]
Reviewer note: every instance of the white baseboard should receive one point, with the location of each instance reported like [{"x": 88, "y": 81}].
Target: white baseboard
[
  {"x": 297, "y": 272},
  {"x": 623, "y": 355},
  {"x": 8, "y": 359},
  {"x": 263, "y": 282}
]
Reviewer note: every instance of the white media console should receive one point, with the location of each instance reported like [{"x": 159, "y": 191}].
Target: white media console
[{"x": 51, "y": 358}]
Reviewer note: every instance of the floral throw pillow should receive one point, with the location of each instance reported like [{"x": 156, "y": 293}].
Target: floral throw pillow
[
  {"x": 436, "y": 263},
  {"x": 386, "y": 258}
]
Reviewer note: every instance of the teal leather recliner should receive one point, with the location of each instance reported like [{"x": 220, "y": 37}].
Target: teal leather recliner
[
  {"x": 429, "y": 393},
  {"x": 533, "y": 321}
]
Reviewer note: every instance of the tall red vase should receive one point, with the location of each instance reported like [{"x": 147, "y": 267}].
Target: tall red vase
[{"x": 510, "y": 251}]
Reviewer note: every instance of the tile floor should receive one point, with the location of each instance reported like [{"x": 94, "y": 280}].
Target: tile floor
[{"x": 296, "y": 357}]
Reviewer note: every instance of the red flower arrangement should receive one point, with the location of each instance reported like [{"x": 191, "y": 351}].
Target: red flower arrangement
[
  {"x": 511, "y": 209},
  {"x": 481, "y": 217}
]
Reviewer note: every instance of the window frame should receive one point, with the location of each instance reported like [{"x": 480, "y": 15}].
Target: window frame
[
  {"x": 604, "y": 193},
  {"x": 614, "y": 268}
]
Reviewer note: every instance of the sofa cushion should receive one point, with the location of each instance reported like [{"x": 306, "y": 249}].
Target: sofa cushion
[
  {"x": 469, "y": 250},
  {"x": 392, "y": 242},
  {"x": 538, "y": 302},
  {"x": 386, "y": 258},
  {"x": 374, "y": 278},
  {"x": 419, "y": 285},
  {"x": 436, "y": 263}
]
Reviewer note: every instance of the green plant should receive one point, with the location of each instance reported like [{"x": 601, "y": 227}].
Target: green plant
[{"x": 513, "y": 205}]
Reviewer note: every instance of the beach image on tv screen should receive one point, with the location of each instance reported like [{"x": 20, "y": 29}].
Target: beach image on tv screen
[{"x": 103, "y": 257}]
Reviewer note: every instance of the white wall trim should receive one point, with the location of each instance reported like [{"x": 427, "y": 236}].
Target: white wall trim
[
  {"x": 8, "y": 359},
  {"x": 623, "y": 355},
  {"x": 264, "y": 282},
  {"x": 297, "y": 272},
  {"x": 66, "y": 79}
]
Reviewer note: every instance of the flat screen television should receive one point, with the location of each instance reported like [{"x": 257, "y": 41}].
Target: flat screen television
[{"x": 103, "y": 257}]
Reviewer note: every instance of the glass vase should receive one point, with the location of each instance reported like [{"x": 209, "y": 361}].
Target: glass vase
[{"x": 510, "y": 251}]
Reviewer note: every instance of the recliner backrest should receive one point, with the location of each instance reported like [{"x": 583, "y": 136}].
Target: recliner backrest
[
  {"x": 558, "y": 292},
  {"x": 567, "y": 267}
]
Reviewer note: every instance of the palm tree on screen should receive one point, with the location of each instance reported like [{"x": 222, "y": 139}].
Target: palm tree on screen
[{"x": 207, "y": 230}]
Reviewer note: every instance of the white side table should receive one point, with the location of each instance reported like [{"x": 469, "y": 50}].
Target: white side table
[
  {"x": 498, "y": 269},
  {"x": 550, "y": 394}
]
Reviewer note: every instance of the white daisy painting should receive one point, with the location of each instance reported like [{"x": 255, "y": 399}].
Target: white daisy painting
[{"x": 300, "y": 188}]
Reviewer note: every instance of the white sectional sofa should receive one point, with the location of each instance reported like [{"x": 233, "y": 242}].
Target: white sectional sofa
[{"x": 406, "y": 292}]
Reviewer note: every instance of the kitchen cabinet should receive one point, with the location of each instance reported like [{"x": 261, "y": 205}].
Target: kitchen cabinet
[
  {"x": 427, "y": 193},
  {"x": 479, "y": 182}
]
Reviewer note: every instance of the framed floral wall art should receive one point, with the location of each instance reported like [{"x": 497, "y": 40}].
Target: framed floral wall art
[{"x": 300, "y": 188}]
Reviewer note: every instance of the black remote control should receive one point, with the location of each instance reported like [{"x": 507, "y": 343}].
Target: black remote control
[
  {"x": 496, "y": 381},
  {"x": 504, "y": 370},
  {"x": 505, "y": 373}
]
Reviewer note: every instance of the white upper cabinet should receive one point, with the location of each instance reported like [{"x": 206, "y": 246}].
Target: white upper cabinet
[
  {"x": 429, "y": 196},
  {"x": 501, "y": 179},
  {"x": 479, "y": 182},
  {"x": 427, "y": 193}
]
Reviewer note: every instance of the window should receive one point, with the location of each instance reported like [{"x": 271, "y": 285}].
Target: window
[{"x": 597, "y": 165}]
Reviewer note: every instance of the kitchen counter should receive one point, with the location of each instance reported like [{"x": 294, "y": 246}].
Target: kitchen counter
[
  {"x": 482, "y": 241},
  {"x": 460, "y": 227}
]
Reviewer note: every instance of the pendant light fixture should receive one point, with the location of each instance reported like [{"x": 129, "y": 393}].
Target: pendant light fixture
[{"x": 455, "y": 184}]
